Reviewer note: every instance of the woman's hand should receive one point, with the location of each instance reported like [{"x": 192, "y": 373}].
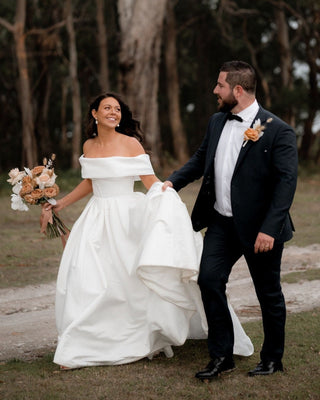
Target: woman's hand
[
  {"x": 46, "y": 214},
  {"x": 56, "y": 208},
  {"x": 45, "y": 217}
]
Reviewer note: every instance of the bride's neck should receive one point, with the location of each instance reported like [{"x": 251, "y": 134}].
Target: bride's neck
[{"x": 106, "y": 136}]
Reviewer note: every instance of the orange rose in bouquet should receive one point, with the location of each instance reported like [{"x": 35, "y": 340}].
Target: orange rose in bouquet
[
  {"x": 51, "y": 192},
  {"x": 37, "y": 186}
]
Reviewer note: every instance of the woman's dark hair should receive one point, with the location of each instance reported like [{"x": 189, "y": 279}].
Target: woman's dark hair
[
  {"x": 240, "y": 73},
  {"x": 128, "y": 125}
]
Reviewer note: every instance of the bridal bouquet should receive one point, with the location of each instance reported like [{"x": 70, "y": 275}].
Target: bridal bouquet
[{"x": 37, "y": 186}]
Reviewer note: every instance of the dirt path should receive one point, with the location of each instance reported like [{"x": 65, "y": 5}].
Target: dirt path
[{"x": 27, "y": 326}]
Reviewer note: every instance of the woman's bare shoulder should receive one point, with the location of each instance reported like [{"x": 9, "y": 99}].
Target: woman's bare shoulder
[
  {"x": 133, "y": 146},
  {"x": 87, "y": 145}
]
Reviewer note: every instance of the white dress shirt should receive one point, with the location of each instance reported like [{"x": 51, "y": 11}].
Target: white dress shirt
[{"x": 227, "y": 153}]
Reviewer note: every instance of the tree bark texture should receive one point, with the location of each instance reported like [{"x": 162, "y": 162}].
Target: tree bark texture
[
  {"x": 311, "y": 38},
  {"x": 75, "y": 87},
  {"x": 63, "y": 112},
  {"x": 141, "y": 34},
  {"x": 178, "y": 133},
  {"x": 308, "y": 137},
  {"x": 42, "y": 124},
  {"x": 102, "y": 39},
  {"x": 285, "y": 56},
  {"x": 29, "y": 145}
]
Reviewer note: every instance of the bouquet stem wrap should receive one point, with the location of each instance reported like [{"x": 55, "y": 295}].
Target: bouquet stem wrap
[{"x": 51, "y": 225}]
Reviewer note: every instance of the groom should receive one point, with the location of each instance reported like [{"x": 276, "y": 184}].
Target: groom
[{"x": 249, "y": 181}]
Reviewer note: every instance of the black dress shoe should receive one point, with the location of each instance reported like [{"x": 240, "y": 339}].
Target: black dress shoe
[
  {"x": 266, "y": 368},
  {"x": 216, "y": 367}
]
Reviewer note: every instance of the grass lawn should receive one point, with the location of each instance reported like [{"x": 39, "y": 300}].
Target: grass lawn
[
  {"x": 173, "y": 378},
  {"x": 26, "y": 257}
]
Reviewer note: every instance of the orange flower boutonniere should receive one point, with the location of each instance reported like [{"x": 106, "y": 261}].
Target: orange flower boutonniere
[{"x": 255, "y": 132}]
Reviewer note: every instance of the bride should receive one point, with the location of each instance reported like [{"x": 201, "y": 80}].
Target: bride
[{"x": 127, "y": 283}]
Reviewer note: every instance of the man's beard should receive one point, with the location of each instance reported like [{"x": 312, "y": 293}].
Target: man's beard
[{"x": 228, "y": 104}]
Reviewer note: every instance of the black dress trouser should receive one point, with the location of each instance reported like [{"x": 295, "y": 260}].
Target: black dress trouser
[{"x": 222, "y": 248}]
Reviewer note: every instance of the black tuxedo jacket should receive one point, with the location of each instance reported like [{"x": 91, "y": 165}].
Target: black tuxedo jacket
[{"x": 263, "y": 182}]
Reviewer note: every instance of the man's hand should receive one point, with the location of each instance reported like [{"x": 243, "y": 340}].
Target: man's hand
[
  {"x": 166, "y": 184},
  {"x": 263, "y": 243}
]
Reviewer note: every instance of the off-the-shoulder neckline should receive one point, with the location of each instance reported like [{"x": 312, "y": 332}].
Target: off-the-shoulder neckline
[{"x": 102, "y": 158}]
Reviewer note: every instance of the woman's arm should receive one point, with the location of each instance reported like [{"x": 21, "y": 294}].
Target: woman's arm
[
  {"x": 135, "y": 149},
  {"x": 149, "y": 180},
  {"x": 80, "y": 191}
]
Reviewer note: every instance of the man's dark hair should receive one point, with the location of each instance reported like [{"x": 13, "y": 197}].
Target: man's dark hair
[{"x": 240, "y": 73}]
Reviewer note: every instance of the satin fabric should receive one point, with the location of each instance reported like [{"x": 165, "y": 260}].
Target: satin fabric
[{"x": 127, "y": 282}]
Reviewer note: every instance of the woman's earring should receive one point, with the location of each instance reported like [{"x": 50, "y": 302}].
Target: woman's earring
[
  {"x": 96, "y": 122},
  {"x": 118, "y": 125}
]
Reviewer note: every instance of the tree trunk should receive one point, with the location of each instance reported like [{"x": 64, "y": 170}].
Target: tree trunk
[
  {"x": 75, "y": 87},
  {"x": 63, "y": 113},
  {"x": 28, "y": 139},
  {"x": 141, "y": 34},
  {"x": 308, "y": 137},
  {"x": 42, "y": 125},
  {"x": 178, "y": 133},
  {"x": 285, "y": 57},
  {"x": 255, "y": 64},
  {"x": 103, "y": 48},
  {"x": 317, "y": 156},
  {"x": 29, "y": 145},
  {"x": 283, "y": 40},
  {"x": 310, "y": 32}
]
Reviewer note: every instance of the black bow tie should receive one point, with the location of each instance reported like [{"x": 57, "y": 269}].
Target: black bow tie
[{"x": 234, "y": 116}]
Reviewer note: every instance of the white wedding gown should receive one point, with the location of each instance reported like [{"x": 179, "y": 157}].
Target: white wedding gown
[{"x": 126, "y": 286}]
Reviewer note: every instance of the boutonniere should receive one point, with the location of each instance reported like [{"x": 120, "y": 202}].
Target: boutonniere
[{"x": 255, "y": 132}]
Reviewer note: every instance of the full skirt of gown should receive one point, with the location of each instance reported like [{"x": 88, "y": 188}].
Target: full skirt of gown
[{"x": 127, "y": 282}]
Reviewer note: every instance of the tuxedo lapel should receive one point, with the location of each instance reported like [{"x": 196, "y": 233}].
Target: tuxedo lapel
[{"x": 216, "y": 131}]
